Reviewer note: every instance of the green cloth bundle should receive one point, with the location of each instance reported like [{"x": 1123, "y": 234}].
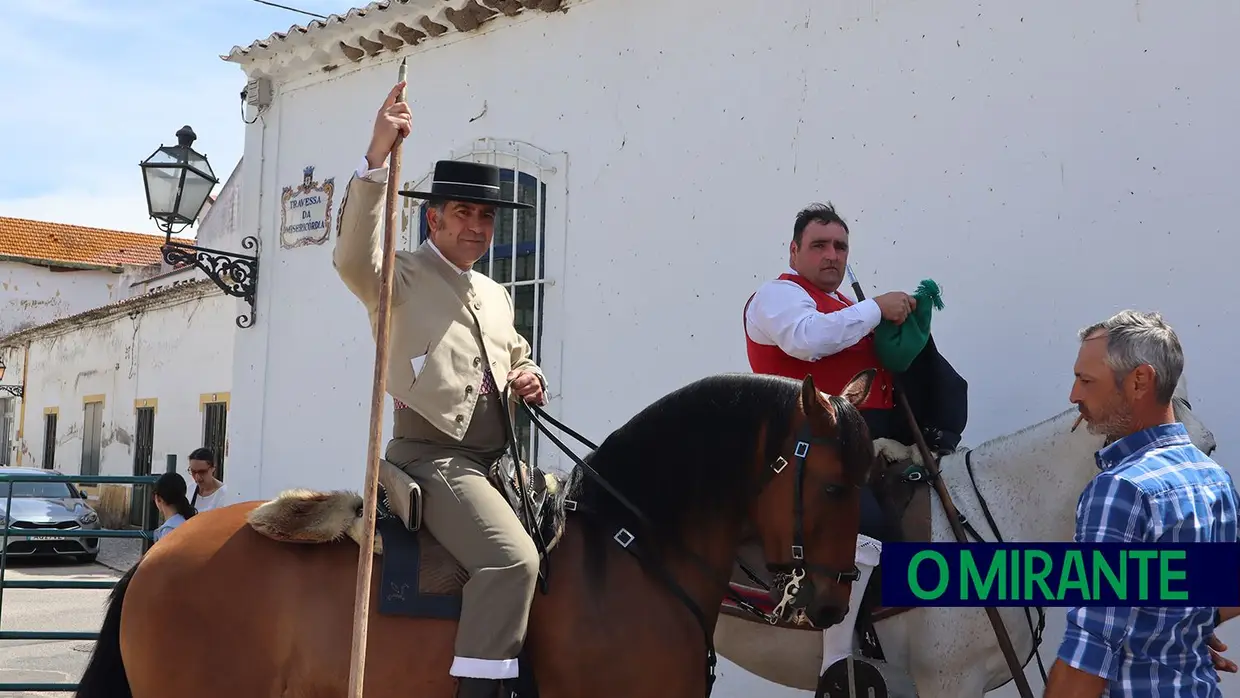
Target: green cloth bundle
[{"x": 898, "y": 345}]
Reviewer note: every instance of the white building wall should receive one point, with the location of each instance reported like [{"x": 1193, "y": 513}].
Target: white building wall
[
  {"x": 31, "y": 295},
  {"x": 219, "y": 224},
  {"x": 1047, "y": 164},
  {"x": 1043, "y": 190},
  {"x": 172, "y": 355}
]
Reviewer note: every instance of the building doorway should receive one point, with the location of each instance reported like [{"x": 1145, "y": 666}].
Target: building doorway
[
  {"x": 215, "y": 431},
  {"x": 143, "y": 450},
  {"x": 6, "y": 431}
]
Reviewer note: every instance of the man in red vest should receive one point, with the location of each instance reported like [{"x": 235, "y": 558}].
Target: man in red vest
[{"x": 801, "y": 324}]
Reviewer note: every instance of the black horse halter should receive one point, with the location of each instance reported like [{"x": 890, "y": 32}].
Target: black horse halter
[{"x": 798, "y": 588}]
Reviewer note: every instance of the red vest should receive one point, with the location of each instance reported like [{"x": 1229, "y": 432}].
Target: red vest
[{"x": 831, "y": 373}]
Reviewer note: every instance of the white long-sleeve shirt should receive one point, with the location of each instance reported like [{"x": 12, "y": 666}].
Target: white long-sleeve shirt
[{"x": 782, "y": 313}]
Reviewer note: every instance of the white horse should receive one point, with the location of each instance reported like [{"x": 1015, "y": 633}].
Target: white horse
[{"x": 1031, "y": 481}]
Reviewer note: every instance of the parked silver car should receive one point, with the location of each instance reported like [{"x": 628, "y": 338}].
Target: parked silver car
[{"x": 46, "y": 505}]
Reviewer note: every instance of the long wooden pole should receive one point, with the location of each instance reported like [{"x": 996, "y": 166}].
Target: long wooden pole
[
  {"x": 365, "y": 554},
  {"x": 953, "y": 518}
]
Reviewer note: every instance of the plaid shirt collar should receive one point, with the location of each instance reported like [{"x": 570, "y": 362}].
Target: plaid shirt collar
[{"x": 1111, "y": 455}]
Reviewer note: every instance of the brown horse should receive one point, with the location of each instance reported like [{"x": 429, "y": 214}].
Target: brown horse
[{"x": 218, "y": 610}]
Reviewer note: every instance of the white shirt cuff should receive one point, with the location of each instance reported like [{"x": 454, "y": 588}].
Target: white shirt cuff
[
  {"x": 363, "y": 171},
  {"x": 871, "y": 312}
]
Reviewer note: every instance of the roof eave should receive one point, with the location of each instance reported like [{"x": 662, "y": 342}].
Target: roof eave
[
  {"x": 47, "y": 262},
  {"x": 380, "y": 28},
  {"x": 145, "y": 301}
]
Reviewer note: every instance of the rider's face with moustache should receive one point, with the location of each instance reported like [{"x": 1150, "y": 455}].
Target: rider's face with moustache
[
  {"x": 461, "y": 230},
  {"x": 821, "y": 255}
]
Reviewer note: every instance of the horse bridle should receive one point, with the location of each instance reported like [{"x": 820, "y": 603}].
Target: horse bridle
[{"x": 798, "y": 589}]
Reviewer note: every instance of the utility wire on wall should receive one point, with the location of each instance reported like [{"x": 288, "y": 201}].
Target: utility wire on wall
[{"x": 291, "y": 9}]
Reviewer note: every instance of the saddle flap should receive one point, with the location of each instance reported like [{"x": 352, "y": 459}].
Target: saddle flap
[{"x": 404, "y": 496}]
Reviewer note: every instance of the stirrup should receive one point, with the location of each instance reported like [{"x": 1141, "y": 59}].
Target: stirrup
[{"x": 867, "y": 681}]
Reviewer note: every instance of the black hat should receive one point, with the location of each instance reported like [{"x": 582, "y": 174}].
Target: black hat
[{"x": 458, "y": 180}]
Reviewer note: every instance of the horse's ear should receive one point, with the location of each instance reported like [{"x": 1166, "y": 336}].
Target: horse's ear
[
  {"x": 810, "y": 404},
  {"x": 858, "y": 389}
]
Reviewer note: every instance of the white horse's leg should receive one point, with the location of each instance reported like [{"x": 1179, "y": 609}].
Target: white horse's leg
[
  {"x": 916, "y": 644},
  {"x": 952, "y": 652},
  {"x": 895, "y": 639},
  {"x": 943, "y": 685}
]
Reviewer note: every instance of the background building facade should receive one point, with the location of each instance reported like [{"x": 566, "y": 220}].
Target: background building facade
[{"x": 1048, "y": 165}]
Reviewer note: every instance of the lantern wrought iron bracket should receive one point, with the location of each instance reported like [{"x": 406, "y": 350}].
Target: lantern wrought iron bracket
[
  {"x": 14, "y": 390},
  {"x": 173, "y": 167},
  {"x": 235, "y": 274}
]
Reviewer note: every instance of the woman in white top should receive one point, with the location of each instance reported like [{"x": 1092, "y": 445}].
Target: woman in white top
[
  {"x": 208, "y": 492},
  {"x": 170, "y": 499}
]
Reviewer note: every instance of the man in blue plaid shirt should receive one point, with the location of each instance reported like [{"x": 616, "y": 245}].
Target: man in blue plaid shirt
[{"x": 1154, "y": 485}]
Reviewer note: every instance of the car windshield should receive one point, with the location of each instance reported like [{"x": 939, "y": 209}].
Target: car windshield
[{"x": 46, "y": 490}]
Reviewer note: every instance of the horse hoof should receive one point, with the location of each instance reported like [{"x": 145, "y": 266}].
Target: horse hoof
[{"x": 867, "y": 681}]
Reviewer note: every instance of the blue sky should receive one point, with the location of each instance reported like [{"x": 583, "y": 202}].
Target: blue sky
[{"x": 95, "y": 86}]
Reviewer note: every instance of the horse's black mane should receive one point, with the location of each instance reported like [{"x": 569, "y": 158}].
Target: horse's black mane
[{"x": 686, "y": 458}]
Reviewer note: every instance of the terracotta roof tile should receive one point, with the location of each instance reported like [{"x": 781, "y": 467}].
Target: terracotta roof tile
[{"x": 75, "y": 244}]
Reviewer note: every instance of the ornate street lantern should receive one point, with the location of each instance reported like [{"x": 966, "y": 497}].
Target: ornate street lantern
[
  {"x": 178, "y": 180},
  {"x": 14, "y": 390}
]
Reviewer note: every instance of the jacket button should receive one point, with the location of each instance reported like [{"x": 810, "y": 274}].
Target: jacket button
[
  {"x": 477, "y": 360},
  {"x": 460, "y": 418},
  {"x": 477, "y": 305},
  {"x": 469, "y": 389}
]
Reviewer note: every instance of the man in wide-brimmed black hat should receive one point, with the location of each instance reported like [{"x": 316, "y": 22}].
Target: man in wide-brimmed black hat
[{"x": 453, "y": 349}]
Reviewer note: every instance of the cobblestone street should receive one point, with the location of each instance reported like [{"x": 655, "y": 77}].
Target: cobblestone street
[{"x": 119, "y": 554}]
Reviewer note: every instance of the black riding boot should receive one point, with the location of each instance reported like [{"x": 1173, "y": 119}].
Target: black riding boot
[
  {"x": 481, "y": 688},
  {"x": 866, "y": 678}
]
